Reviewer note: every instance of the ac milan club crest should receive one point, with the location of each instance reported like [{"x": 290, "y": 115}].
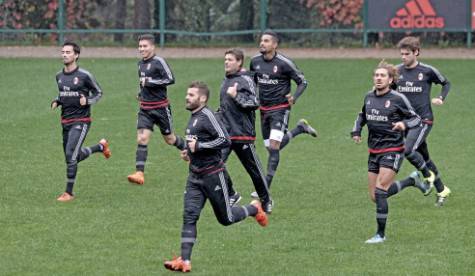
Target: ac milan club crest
[
  {"x": 387, "y": 103},
  {"x": 274, "y": 69},
  {"x": 420, "y": 76},
  {"x": 75, "y": 80}
]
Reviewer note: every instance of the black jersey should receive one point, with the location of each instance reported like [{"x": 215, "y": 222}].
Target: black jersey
[
  {"x": 155, "y": 75},
  {"x": 416, "y": 83},
  {"x": 273, "y": 78},
  {"x": 211, "y": 138},
  {"x": 71, "y": 86},
  {"x": 237, "y": 113},
  {"x": 379, "y": 113}
]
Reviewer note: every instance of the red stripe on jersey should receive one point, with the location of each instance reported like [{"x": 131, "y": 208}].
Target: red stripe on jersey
[
  {"x": 247, "y": 138},
  {"x": 73, "y": 120},
  {"x": 154, "y": 105},
  {"x": 274, "y": 107},
  {"x": 395, "y": 149}
]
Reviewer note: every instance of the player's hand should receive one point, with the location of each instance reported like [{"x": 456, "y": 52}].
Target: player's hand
[
  {"x": 184, "y": 155},
  {"x": 290, "y": 99},
  {"x": 83, "y": 100},
  {"x": 437, "y": 101},
  {"x": 54, "y": 105},
  {"x": 192, "y": 144},
  {"x": 357, "y": 139},
  {"x": 399, "y": 126},
  {"x": 232, "y": 90}
]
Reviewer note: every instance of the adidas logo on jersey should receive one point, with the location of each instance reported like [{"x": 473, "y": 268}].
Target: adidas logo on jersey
[
  {"x": 217, "y": 188},
  {"x": 417, "y": 14}
]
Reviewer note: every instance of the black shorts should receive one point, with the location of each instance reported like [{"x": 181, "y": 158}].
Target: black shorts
[
  {"x": 416, "y": 140},
  {"x": 390, "y": 160},
  {"x": 160, "y": 116},
  {"x": 274, "y": 119}
]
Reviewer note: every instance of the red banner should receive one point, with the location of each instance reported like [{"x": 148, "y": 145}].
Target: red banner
[{"x": 473, "y": 14}]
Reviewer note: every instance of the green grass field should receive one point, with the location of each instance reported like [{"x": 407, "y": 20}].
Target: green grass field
[{"x": 322, "y": 214}]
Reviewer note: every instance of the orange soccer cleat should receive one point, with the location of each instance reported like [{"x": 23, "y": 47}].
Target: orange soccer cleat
[
  {"x": 137, "y": 178},
  {"x": 261, "y": 216},
  {"x": 177, "y": 264},
  {"x": 65, "y": 197},
  {"x": 105, "y": 148}
]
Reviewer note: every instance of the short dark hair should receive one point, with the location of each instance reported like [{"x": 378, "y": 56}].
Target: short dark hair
[
  {"x": 411, "y": 43},
  {"x": 202, "y": 88},
  {"x": 271, "y": 33},
  {"x": 237, "y": 53},
  {"x": 76, "y": 47},
  {"x": 149, "y": 37}
]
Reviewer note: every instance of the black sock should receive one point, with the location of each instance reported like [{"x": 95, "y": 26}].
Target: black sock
[
  {"x": 381, "y": 210},
  {"x": 141, "y": 157},
  {"x": 71, "y": 171},
  {"x": 242, "y": 212},
  {"x": 398, "y": 186},
  {"x": 179, "y": 143},
  {"x": 289, "y": 135},
  {"x": 251, "y": 210},
  {"x": 273, "y": 163},
  {"x": 188, "y": 238},
  {"x": 439, "y": 186},
  {"x": 418, "y": 162}
]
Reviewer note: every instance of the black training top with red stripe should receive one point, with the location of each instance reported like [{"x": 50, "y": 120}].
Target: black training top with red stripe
[
  {"x": 416, "y": 83},
  {"x": 379, "y": 113},
  {"x": 238, "y": 114},
  {"x": 155, "y": 75},
  {"x": 71, "y": 86},
  {"x": 211, "y": 137},
  {"x": 273, "y": 78}
]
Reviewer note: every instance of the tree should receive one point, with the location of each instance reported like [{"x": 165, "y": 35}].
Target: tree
[
  {"x": 142, "y": 18},
  {"x": 246, "y": 18},
  {"x": 120, "y": 16}
]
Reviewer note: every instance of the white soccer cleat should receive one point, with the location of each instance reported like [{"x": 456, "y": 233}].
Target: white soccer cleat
[{"x": 376, "y": 239}]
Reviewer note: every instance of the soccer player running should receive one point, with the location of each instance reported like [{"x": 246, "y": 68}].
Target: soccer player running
[
  {"x": 238, "y": 102},
  {"x": 415, "y": 82},
  {"x": 154, "y": 77},
  {"x": 274, "y": 73},
  {"x": 208, "y": 178},
  {"x": 78, "y": 90},
  {"x": 387, "y": 114}
]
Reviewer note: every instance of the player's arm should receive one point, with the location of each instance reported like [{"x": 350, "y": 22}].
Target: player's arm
[
  {"x": 244, "y": 93},
  {"x": 221, "y": 136},
  {"x": 438, "y": 78},
  {"x": 56, "y": 101},
  {"x": 299, "y": 79},
  {"x": 410, "y": 117},
  {"x": 360, "y": 122},
  {"x": 95, "y": 91},
  {"x": 163, "y": 76}
]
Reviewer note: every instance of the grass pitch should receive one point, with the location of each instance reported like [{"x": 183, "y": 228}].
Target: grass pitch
[{"x": 322, "y": 213}]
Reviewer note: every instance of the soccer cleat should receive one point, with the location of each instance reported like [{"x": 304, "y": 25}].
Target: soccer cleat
[
  {"x": 430, "y": 179},
  {"x": 420, "y": 184},
  {"x": 261, "y": 216},
  {"x": 254, "y": 195},
  {"x": 442, "y": 196},
  {"x": 137, "y": 178},
  {"x": 177, "y": 264},
  {"x": 234, "y": 199},
  {"x": 267, "y": 206},
  {"x": 307, "y": 127},
  {"x": 376, "y": 239},
  {"x": 105, "y": 148},
  {"x": 65, "y": 197}
]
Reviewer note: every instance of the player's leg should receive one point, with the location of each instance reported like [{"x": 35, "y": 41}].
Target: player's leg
[
  {"x": 76, "y": 135},
  {"x": 442, "y": 191},
  {"x": 194, "y": 201},
  {"x": 234, "y": 197},
  {"x": 216, "y": 190},
  {"x": 247, "y": 154},
  {"x": 278, "y": 125},
  {"x": 414, "y": 138},
  {"x": 165, "y": 123},
  {"x": 144, "y": 132},
  {"x": 302, "y": 127}
]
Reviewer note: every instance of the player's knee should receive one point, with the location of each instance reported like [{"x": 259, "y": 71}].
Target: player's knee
[
  {"x": 225, "y": 221},
  {"x": 190, "y": 216},
  {"x": 142, "y": 139},
  {"x": 408, "y": 153},
  {"x": 169, "y": 139}
]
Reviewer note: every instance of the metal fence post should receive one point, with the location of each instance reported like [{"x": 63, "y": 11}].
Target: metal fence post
[
  {"x": 365, "y": 23},
  {"x": 263, "y": 15},
  {"x": 60, "y": 21},
  {"x": 469, "y": 24},
  {"x": 162, "y": 24}
]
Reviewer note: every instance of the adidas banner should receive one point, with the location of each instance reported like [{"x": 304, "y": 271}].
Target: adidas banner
[{"x": 417, "y": 14}]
